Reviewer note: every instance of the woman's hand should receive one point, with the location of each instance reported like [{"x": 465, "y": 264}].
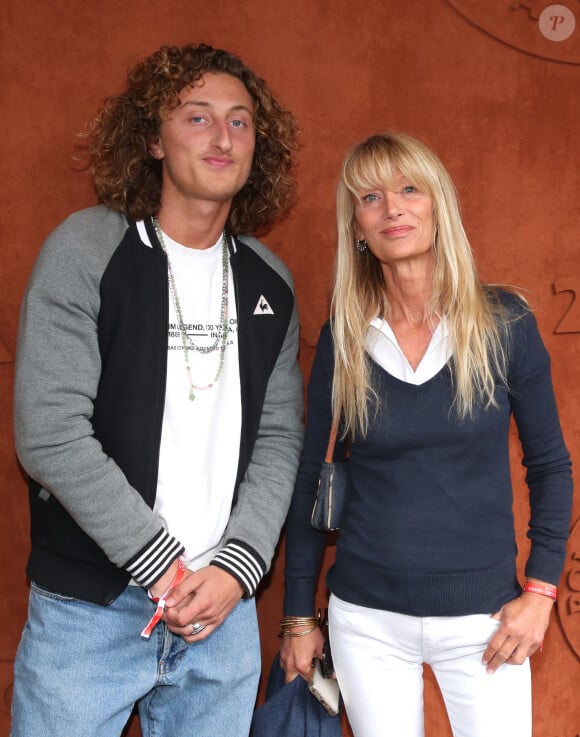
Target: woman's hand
[
  {"x": 524, "y": 622},
  {"x": 297, "y": 654}
]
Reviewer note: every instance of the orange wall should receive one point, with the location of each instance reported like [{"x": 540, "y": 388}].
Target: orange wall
[{"x": 470, "y": 78}]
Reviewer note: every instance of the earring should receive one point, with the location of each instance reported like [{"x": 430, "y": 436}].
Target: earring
[{"x": 361, "y": 245}]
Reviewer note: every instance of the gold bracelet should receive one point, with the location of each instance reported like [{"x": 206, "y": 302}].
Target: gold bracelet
[
  {"x": 298, "y": 620},
  {"x": 288, "y": 633},
  {"x": 288, "y": 625}
]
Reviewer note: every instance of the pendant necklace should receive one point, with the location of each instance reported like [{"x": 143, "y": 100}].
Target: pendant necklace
[{"x": 187, "y": 343}]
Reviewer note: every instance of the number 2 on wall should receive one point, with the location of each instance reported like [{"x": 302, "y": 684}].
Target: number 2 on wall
[{"x": 570, "y": 320}]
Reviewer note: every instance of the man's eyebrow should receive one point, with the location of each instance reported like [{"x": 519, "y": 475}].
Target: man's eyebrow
[{"x": 205, "y": 103}]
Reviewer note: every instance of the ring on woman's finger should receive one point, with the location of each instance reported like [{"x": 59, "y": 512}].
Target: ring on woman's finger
[{"x": 196, "y": 628}]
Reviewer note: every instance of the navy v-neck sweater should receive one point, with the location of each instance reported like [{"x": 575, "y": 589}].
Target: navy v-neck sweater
[{"x": 428, "y": 527}]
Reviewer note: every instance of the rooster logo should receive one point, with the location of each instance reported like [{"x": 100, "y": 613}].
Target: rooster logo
[{"x": 263, "y": 307}]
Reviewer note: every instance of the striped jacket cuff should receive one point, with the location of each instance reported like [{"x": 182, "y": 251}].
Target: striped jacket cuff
[
  {"x": 244, "y": 563},
  {"x": 152, "y": 561}
]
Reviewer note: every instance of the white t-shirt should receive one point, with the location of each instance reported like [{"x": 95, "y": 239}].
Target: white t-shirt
[{"x": 200, "y": 439}]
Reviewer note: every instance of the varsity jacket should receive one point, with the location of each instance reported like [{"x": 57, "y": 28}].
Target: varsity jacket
[
  {"x": 89, "y": 396},
  {"x": 428, "y": 528}
]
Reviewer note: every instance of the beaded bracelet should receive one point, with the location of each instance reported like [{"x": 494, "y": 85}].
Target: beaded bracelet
[{"x": 545, "y": 589}]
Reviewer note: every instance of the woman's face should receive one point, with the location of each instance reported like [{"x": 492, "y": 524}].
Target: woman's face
[{"x": 396, "y": 221}]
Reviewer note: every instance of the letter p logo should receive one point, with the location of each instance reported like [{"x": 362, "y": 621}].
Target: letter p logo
[{"x": 557, "y": 23}]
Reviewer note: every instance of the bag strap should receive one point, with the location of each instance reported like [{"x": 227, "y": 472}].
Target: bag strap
[{"x": 332, "y": 437}]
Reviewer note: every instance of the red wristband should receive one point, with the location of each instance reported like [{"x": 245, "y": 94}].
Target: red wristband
[
  {"x": 161, "y": 600},
  {"x": 545, "y": 589}
]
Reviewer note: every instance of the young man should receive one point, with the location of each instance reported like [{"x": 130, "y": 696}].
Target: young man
[{"x": 159, "y": 411}]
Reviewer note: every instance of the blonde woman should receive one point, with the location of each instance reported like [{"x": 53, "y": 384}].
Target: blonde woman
[{"x": 428, "y": 366}]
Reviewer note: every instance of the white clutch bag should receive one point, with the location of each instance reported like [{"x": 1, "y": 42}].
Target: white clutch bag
[{"x": 325, "y": 690}]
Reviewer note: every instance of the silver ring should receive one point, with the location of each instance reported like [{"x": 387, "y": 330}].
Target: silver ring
[{"x": 196, "y": 628}]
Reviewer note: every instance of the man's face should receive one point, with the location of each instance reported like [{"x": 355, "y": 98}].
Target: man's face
[{"x": 207, "y": 143}]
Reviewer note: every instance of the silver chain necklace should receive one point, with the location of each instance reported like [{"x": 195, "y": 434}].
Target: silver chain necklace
[{"x": 187, "y": 343}]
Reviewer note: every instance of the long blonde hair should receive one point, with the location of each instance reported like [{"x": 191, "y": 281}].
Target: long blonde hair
[{"x": 476, "y": 321}]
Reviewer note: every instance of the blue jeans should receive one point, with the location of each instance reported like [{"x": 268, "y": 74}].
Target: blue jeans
[{"x": 80, "y": 669}]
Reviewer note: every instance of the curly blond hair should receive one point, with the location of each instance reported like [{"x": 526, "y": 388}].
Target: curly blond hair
[{"x": 116, "y": 144}]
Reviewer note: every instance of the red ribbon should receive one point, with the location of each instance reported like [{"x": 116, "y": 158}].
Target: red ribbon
[{"x": 160, "y": 601}]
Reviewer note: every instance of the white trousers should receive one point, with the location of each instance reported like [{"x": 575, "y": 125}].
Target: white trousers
[{"x": 378, "y": 658}]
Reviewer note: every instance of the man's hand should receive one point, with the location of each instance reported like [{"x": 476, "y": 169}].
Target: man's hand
[
  {"x": 524, "y": 622},
  {"x": 161, "y": 586},
  {"x": 205, "y": 598}
]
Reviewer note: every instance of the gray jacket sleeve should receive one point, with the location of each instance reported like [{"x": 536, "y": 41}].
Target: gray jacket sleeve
[{"x": 57, "y": 375}]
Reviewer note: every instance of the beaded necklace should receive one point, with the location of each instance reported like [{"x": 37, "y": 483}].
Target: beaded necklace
[{"x": 186, "y": 341}]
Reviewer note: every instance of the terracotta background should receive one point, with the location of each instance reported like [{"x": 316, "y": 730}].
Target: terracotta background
[{"x": 498, "y": 102}]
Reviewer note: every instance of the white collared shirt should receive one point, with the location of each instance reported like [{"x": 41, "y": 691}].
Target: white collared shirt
[{"x": 383, "y": 347}]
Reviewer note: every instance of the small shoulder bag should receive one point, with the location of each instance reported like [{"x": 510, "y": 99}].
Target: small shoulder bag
[{"x": 333, "y": 485}]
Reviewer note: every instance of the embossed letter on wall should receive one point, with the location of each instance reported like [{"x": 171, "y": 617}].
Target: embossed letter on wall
[
  {"x": 569, "y": 321},
  {"x": 569, "y": 595}
]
